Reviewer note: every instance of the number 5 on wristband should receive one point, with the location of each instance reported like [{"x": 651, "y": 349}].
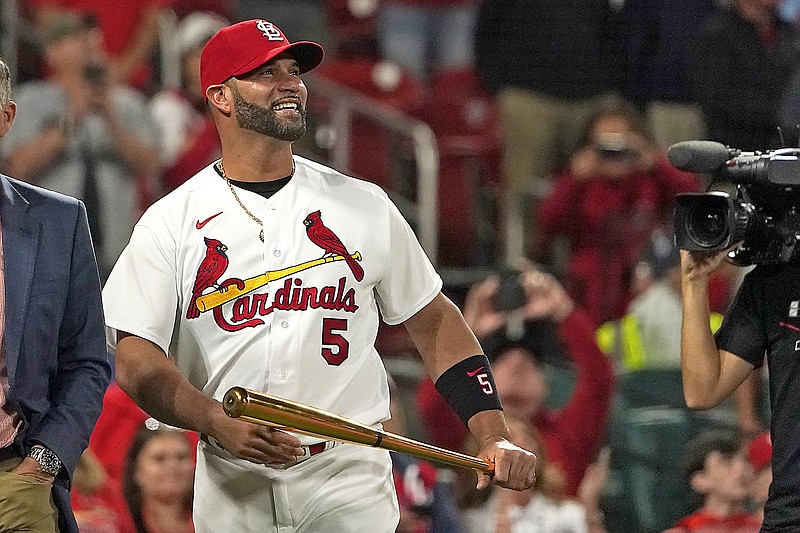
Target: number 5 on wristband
[{"x": 469, "y": 388}]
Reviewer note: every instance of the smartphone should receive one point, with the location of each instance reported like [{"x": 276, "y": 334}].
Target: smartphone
[{"x": 511, "y": 294}]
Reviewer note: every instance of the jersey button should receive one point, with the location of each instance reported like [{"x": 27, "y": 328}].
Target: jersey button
[
  {"x": 284, "y": 324},
  {"x": 282, "y": 375},
  {"x": 276, "y": 253}
]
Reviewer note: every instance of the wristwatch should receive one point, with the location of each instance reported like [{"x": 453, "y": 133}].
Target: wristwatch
[{"x": 47, "y": 459}]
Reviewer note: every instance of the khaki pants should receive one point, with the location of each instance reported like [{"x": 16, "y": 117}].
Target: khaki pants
[
  {"x": 673, "y": 122},
  {"x": 539, "y": 132},
  {"x": 25, "y": 504}
]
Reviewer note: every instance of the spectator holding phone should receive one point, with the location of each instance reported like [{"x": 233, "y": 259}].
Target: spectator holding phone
[{"x": 547, "y": 319}]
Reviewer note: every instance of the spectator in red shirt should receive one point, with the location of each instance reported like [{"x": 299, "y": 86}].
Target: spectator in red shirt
[
  {"x": 718, "y": 471},
  {"x": 617, "y": 188},
  {"x": 119, "y": 420},
  {"x": 97, "y": 499},
  {"x": 572, "y": 435},
  {"x": 130, "y": 32},
  {"x": 759, "y": 453}
]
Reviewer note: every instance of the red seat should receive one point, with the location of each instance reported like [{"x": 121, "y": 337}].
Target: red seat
[
  {"x": 464, "y": 118},
  {"x": 353, "y": 25},
  {"x": 383, "y": 81},
  {"x": 373, "y": 150}
]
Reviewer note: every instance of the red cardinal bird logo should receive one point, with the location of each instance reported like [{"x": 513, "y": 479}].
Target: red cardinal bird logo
[
  {"x": 211, "y": 268},
  {"x": 328, "y": 241}
]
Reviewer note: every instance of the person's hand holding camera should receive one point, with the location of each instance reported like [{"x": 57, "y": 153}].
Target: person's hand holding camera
[
  {"x": 98, "y": 85},
  {"x": 584, "y": 163},
  {"x": 699, "y": 265},
  {"x": 480, "y": 312},
  {"x": 547, "y": 298}
]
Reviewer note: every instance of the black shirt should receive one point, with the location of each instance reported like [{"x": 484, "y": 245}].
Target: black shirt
[
  {"x": 765, "y": 319},
  {"x": 264, "y": 188}
]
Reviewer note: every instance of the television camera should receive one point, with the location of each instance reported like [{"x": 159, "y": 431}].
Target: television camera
[{"x": 762, "y": 216}]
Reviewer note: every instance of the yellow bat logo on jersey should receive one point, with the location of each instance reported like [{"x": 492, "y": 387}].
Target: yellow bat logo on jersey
[{"x": 229, "y": 293}]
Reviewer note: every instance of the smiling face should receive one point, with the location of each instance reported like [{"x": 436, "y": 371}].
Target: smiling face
[{"x": 271, "y": 99}]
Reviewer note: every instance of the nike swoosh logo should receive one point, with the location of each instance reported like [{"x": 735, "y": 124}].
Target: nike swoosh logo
[
  {"x": 199, "y": 225},
  {"x": 472, "y": 374}
]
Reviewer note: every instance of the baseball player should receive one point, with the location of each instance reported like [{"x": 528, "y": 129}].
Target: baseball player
[{"x": 267, "y": 270}]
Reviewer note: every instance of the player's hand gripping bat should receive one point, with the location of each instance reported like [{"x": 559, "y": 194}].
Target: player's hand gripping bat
[{"x": 267, "y": 410}]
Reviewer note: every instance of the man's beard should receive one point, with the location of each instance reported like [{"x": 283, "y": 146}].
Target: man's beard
[{"x": 263, "y": 120}]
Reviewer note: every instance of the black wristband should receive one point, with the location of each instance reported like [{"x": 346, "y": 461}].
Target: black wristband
[{"x": 468, "y": 386}]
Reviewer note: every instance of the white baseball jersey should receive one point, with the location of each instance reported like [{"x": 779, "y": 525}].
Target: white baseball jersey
[{"x": 287, "y": 316}]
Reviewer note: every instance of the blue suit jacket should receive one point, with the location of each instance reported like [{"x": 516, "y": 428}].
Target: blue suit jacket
[{"x": 54, "y": 344}]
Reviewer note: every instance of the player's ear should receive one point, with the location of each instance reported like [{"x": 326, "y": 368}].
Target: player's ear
[{"x": 218, "y": 96}]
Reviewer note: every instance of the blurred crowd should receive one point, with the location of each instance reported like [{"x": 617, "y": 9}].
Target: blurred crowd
[{"x": 552, "y": 121}]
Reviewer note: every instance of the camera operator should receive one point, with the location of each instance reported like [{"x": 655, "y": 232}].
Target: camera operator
[
  {"x": 618, "y": 187},
  {"x": 763, "y": 319}
]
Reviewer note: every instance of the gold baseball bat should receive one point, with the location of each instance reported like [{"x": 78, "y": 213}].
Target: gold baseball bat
[
  {"x": 219, "y": 297},
  {"x": 267, "y": 410}
]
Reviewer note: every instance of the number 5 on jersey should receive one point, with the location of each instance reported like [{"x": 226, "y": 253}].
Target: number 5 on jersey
[{"x": 335, "y": 348}]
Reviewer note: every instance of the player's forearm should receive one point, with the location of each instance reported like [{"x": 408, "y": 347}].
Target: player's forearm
[
  {"x": 441, "y": 336},
  {"x": 700, "y": 359},
  {"x": 157, "y": 386}
]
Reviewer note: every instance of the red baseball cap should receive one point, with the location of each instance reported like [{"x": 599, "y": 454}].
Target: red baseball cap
[{"x": 239, "y": 48}]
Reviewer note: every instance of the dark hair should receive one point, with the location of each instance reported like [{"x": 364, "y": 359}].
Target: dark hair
[
  {"x": 540, "y": 340},
  {"x": 615, "y": 108},
  {"x": 149, "y": 430},
  {"x": 725, "y": 441}
]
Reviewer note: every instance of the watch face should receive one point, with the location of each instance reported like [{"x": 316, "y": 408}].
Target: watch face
[{"x": 47, "y": 459}]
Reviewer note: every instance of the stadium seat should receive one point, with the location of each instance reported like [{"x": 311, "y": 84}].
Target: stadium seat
[
  {"x": 655, "y": 439},
  {"x": 353, "y": 25},
  {"x": 375, "y": 154},
  {"x": 649, "y": 428},
  {"x": 651, "y": 387},
  {"x": 463, "y": 117}
]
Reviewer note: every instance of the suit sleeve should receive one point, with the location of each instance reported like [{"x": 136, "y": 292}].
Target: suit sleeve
[{"x": 83, "y": 371}]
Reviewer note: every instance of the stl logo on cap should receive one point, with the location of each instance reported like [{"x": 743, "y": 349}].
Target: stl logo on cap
[
  {"x": 239, "y": 48},
  {"x": 269, "y": 30}
]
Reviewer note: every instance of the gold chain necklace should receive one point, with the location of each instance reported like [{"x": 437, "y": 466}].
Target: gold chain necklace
[{"x": 239, "y": 201}]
